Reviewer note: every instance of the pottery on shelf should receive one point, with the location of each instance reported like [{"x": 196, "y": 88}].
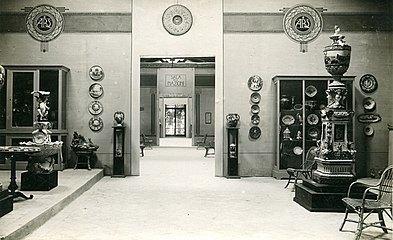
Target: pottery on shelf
[{"x": 119, "y": 118}]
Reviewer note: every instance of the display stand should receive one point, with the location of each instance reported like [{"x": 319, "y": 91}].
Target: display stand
[
  {"x": 233, "y": 150},
  {"x": 118, "y": 151}
]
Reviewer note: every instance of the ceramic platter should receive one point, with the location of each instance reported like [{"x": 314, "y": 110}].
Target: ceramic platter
[
  {"x": 96, "y": 73},
  {"x": 288, "y": 119},
  {"x": 255, "y": 132},
  {"x": 255, "y": 98},
  {"x": 312, "y": 119},
  {"x": 255, "y": 119},
  {"x": 95, "y": 108},
  {"x": 96, "y": 124},
  {"x": 297, "y": 150},
  {"x": 311, "y": 91},
  {"x": 96, "y": 90},
  {"x": 369, "y": 104},
  {"x": 313, "y": 133},
  {"x": 368, "y": 131},
  {"x": 255, "y": 109},
  {"x": 368, "y": 83},
  {"x": 298, "y": 107},
  {"x": 255, "y": 83}
]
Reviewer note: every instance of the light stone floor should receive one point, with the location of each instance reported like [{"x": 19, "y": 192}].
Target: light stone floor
[{"x": 178, "y": 197}]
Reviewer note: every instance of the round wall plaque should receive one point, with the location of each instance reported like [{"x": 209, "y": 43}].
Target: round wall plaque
[
  {"x": 96, "y": 73},
  {"x": 95, "y": 107},
  {"x": 177, "y": 19},
  {"x": 96, "y": 124},
  {"x": 302, "y": 23},
  {"x": 96, "y": 90},
  {"x": 44, "y": 23},
  {"x": 368, "y": 83},
  {"x": 255, "y": 83}
]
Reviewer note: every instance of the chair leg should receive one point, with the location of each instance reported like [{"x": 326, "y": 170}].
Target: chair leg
[
  {"x": 345, "y": 219},
  {"x": 289, "y": 181},
  {"x": 360, "y": 225},
  {"x": 380, "y": 216}
]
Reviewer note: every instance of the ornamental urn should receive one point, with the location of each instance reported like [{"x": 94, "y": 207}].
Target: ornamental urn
[
  {"x": 337, "y": 55},
  {"x": 232, "y": 119},
  {"x": 119, "y": 118}
]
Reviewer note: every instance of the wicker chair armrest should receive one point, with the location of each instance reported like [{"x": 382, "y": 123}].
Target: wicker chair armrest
[{"x": 354, "y": 183}]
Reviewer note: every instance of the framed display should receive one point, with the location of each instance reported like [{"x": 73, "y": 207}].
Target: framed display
[
  {"x": 96, "y": 73},
  {"x": 177, "y": 19},
  {"x": 255, "y": 132},
  {"x": 255, "y": 83},
  {"x": 96, "y": 90},
  {"x": 208, "y": 117},
  {"x": 369, "y": 104},
  {"x": 255, "y": 97},
  {"x": 95, "y": 107},
  {"x": 368, "y": 83},
  {"x": 96, "y": 124}
]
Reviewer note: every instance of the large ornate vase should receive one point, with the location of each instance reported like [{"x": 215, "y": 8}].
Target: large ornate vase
[
  {"x": 232, "y": 119},
  {"x": 337, "y": 57}
]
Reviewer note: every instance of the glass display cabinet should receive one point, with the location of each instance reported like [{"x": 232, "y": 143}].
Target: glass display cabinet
[
  {"x": 298, "y": 119},
  {"x": 18, "y": 106}
]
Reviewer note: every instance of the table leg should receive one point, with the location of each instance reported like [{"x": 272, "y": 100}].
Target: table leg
[{"x": 13, "y": 186}]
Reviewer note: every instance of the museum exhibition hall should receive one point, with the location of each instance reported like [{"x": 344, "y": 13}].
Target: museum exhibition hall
[{"x": 196, "y": 119}]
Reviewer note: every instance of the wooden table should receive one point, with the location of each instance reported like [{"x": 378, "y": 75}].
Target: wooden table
[
  {"x": 10, "y": 152},
  {"x": 85, "y": 153}
]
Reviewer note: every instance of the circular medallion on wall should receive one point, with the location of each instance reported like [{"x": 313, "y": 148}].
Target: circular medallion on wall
[
  {"x": 255, "y": 83},
  {"x": 177, "y": 19},
  {"x": 255, "y": 132},
  {"x": 44, "y": 23},
  {"x": 96, "y": 124},
  {"x": 96, "y": 73},
  {"x": 96, "y": 90},
  {"x": 368, "y": 83},
  {"x": 95, "y": 107},
  {"x": 302, "y": 23}
]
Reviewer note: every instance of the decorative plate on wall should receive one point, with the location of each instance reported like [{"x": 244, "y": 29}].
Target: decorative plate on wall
[
  {"x": 369, "y": 104},
  {"x": 255, "y": 97},
  {"x": 255, "y": 109},
  {"x": 177, "y": 19},
  {"x": 95, "y": 107},
  {"x": 368, "y": 130},
  {"x": 96, "y": 73},
  {"x": 96, "y": 124},
  {"x": 96, "y": 90},
  {"x": 255, "y": 132},
  {"x": 297, "y": 150},
  {"x": 368, "y": 83},
  {"x": 255, "y": 83},
  {"x": 255, "y": 119}
]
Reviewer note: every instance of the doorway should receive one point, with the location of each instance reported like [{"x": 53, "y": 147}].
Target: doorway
[{"x": 175, "y": 120}]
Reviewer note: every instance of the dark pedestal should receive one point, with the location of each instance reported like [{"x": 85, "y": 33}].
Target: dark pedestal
[
  {"x": 6, "y": 202},
  {"x": 39, "y": 181},
  {"x": 317, "y": 197}
]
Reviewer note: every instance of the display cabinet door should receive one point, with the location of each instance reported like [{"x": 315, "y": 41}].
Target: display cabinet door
[
  {"x": 48, "y": 81},
  {"x": 22, "y": 101}
]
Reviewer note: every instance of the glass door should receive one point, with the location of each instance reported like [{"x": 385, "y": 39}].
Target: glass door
[{"x": 175, "y": 120}]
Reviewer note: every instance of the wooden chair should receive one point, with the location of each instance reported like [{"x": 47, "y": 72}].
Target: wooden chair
[
  {"x": 201, "y": 142},
  {"x": 208, "y": 146},
  {"x": 147, "y": 142},
  {"x": 383, "y": 203},
  {"x": 306, "y": 171}
]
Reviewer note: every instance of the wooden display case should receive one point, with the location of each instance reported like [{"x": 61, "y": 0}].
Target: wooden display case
[
  {"x": 18, "y": 107},
  {"x": 298, "y": 121}
]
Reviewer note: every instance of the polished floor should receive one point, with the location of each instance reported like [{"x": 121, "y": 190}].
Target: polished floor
[{"x": 177, "y": 196}]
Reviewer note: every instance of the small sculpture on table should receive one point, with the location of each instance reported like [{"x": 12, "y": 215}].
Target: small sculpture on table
[{"x": 83, "y": 148}]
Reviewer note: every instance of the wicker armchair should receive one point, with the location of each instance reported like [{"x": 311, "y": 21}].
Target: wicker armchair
[{"x": 365, "y": 207}]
